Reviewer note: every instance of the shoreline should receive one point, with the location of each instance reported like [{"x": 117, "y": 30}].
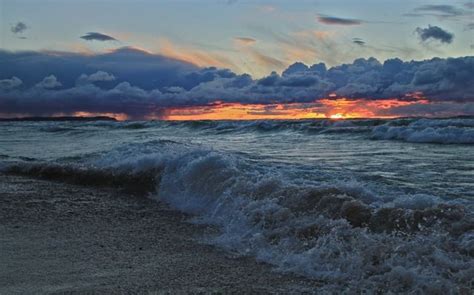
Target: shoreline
[{"x": 60, "y": 237}]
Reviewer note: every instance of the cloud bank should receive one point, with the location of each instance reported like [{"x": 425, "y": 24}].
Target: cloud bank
[{"x": 141, "y": 84}]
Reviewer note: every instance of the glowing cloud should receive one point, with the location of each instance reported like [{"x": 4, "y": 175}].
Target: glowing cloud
[
  {"x": 194, "y": 56},
  {"x": 341, "y": 108},
  {"x": 245, "y": 41}
]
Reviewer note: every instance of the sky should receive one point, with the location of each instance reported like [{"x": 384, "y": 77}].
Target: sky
[{"x": 236, "y": 59}]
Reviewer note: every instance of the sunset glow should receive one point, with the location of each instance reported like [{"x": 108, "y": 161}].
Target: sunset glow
[
  {"x": 337, "y": 116},
  {"x": 116, "y": 116},
  {"x": 341, "y": 108}
]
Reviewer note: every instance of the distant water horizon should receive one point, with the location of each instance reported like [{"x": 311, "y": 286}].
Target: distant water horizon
[{"x": 111, "y": 118}]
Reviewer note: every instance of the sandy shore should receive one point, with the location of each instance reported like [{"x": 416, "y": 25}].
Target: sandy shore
[{"x": 57, "y": 237}]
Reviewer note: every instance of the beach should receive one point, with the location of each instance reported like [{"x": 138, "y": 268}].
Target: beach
[{"x": 57, "y": 237}]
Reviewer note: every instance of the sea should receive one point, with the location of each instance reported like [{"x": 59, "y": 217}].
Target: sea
[{"x": 359, "y": 205}]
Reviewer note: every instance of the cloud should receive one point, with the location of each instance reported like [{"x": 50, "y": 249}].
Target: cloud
[
  {"x": 97, "y": 77},
  {"x": 358, "y": 41},
  {"x": 266, "y": 61},
  {"x": 434, "y": 109},
  {"x": 306, "y": 46},
  {"x": 7, "y": 84},
  {"x": 19, "y": 28},
  {"x": 267, "y": 8},
  {"x": 469, "y": 5},
  {"x": 469, "y": 27},
  {"x": 434, "y": 32},
  {"x": 194, "y": 56},
  {"x": 94, "y": 36},
  {"x": 127, "y": 64},
  {"x": 332, "y": 20},
  {"x": 140, "y": 84},
  {"x": 440, "y": 10},
  {"x": 101, "y": 76},
  {"x": 245, "y": 41},
  {"x": 49, "y": 82}
]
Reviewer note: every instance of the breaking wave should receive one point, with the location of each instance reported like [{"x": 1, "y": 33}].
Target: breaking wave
[
  {"x": 339, "y": 232},
  {"x": 447, "y": 131},
  {"x": 442, "y": 131}
]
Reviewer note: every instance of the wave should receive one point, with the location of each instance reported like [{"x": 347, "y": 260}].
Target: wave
[
  {"x": 276, "y": 125},
  {"x": 341, "y": 233},
  {"x": 137, "y": 182},
  {"x": 449, "y": 131},
  {"x": 442, "y": 131},
  {"x": 56, "y": 129}
]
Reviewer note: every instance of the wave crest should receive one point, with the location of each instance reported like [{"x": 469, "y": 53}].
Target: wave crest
[{"x": 447, "y": 135}]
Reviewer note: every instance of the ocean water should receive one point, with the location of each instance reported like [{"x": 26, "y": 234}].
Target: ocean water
[{"x": 357, "y": 204}]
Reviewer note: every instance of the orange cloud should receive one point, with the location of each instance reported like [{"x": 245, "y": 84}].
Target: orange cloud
[
  {"x": 117, "y": 116},
  {"x": 308, "y": 46},
  {"x": 244, "y": 41},
  {"x": 266, "y": 61},
  {"x": 194, "y": 56},
  {"x": 237, "y": 111}
]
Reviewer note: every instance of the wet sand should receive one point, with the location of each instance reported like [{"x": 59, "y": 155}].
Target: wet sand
[{"x": 58, "y": 237}]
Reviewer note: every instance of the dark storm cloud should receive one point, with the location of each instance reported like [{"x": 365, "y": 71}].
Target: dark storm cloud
[
  {"x": 434, "y": 32},
  {"x": 126, "y": 64},
  {"x": 94, "y": 36},
  {"x": 19, "y": 28},
  {"x": 332, "y": 20},
  {"x": 139, "y": 84}
]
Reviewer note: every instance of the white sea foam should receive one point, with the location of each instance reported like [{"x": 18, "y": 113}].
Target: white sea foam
[
  {"x": 460, "y": 131},
  {"x": 262, "y": 213}
]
